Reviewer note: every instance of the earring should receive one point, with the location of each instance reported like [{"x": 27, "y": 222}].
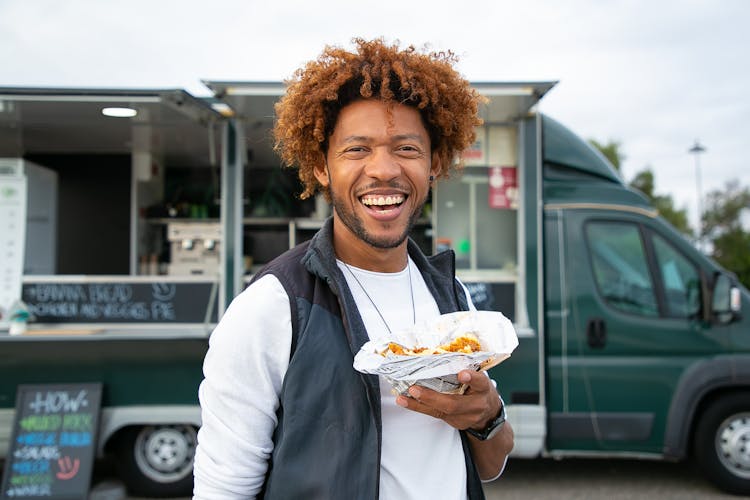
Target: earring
[{"x": 432, "y": 178}]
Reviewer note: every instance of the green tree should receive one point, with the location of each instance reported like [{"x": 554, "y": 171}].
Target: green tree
[
  {"x": 611, "y": 151},
  {"x": 722, "y": 226},
  {"x": 644, "y": 182}
]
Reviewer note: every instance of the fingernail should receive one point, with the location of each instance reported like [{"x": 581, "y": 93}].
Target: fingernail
[
  {"x": 415, "y": 391},
  {"x": 464, "y": 377},
  {"x": 401, "y": 401}
]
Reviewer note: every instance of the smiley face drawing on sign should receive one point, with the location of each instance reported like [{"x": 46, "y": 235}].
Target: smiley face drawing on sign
[
  {"x": 68, "y": 468},
  {"x": 163, "y": 291}
]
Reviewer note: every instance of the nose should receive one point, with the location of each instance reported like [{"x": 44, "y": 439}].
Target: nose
[{"x": 382, "y": 165}]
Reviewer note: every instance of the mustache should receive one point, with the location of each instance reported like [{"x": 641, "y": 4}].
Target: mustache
[{"x": 394, "y": 184}]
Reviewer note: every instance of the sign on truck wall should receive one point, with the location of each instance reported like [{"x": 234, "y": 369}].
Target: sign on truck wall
[
  {"x": 121, "y": 302},
  {"x": 493, "y": 297},
  {"x": 503, "y": 187},
  {"x": 52, "y": 448}
]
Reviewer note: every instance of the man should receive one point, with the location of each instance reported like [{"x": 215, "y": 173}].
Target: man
[{"x": 284, "y": 413}]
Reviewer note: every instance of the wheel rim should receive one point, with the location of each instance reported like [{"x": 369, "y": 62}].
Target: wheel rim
[
  {"x": 733, "y": 444},
  {"x": 165, "y": 453}
]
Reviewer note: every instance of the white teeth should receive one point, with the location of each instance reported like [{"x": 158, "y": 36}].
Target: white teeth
[{"x": 383, "y": 200}]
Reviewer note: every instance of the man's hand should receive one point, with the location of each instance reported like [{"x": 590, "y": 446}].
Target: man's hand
[{"x": 474, "y": 409}]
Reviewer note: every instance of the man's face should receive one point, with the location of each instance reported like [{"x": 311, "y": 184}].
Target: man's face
[{"x": 378, "y": 168}]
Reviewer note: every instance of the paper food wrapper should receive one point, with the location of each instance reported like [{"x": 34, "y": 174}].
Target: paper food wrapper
[{"x": 439, "y": 372}]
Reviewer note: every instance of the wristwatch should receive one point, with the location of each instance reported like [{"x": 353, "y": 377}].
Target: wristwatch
[{"x": 492, "y": 428}]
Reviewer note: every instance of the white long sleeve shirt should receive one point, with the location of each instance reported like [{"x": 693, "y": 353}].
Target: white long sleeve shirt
[{"x": 421, "y": 457}]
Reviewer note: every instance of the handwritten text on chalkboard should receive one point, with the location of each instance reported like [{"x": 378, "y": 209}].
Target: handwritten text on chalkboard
[
  {"x": 51, "y": 451},
  {"x": 119, "y": 302},
  {"x": 96, "y": 301}
]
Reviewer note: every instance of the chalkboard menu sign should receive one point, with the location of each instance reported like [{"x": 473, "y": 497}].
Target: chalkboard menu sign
[
  {"x": 494, "y": 297},
  {"x": 121, "y": 302},
  {"x": 52, "y": 448}
]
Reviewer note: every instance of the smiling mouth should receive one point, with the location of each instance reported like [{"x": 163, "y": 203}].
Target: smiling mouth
[{"x": 383, "y": 203}]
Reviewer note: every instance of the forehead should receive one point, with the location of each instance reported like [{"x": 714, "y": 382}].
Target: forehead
[{"x": 373, "y": 118}]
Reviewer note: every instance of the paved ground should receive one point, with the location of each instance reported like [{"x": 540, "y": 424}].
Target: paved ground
[
  {"x": 590, "y": 479},
  {"x": 571, "y": 479}
]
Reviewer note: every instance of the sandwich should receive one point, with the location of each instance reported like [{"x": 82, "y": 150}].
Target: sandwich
[{"x": 464, "y": 344}]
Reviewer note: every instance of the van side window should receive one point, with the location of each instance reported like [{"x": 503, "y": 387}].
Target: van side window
[
  {"x": 680, "y": 278},
  {"x": 621, "y": 268}
]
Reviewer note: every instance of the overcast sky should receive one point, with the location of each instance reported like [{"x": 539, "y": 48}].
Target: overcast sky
[{"x": 653, "y": 75}]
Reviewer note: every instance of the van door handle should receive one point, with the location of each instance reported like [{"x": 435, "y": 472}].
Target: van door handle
[{"x": 596, "y": 333}]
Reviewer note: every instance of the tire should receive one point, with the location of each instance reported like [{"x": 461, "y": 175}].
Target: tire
[
  {"x": 157, "y": 460},
  {"x": 722, "y": 443}
]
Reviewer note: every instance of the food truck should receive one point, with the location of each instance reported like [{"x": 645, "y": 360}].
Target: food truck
[
  {"x": 119, "y": 290},
  {"x": 632, "y": 343}
]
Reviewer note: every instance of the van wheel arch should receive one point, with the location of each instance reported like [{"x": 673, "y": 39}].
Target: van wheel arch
[{"x": 700, "y": 386}]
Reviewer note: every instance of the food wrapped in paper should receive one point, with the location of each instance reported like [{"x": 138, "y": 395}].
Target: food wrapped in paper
[{"x": 432, "y": 353}]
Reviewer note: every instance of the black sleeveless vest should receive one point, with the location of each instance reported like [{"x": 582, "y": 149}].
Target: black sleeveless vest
[{"x": 328, "y": 439}]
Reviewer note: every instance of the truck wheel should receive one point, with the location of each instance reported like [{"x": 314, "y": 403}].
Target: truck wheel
[
  {"x": 722, "y": 443},
  {"x": 157, "y": 460}
]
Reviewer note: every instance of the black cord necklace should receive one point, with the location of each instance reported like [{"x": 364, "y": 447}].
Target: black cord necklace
[{"x": 411, "y": 293}]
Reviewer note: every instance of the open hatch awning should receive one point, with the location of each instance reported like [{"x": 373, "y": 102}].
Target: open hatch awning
[
  {"x": 170, "y": 122},
  {"x": 509, "y": 101},
  {"x": 253, "y": 101},
  {"x": 253, "y": 104}
]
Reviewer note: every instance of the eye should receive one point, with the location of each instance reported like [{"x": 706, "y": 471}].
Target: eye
[
  {"x": 354, "y": 152},
  {"x": 409, "y": 151}
]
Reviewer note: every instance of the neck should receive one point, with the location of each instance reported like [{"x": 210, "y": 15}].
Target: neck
[{"x": 360, "y": 254}]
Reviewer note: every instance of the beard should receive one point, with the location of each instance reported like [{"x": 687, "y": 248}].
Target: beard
[{"x": 357, "y": 227}]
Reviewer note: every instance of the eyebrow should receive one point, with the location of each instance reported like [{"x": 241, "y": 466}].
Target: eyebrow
[{"x": 397, "y": 138}]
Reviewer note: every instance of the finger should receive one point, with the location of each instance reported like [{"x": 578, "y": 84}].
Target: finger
[
  {"x": 453, "y": 408},
  {"x": 445, "y": 403},
  {"x": 476, "y": 381},
  {"x": 418, "y": 406},
  {"x": 458, "y": 417},
  {"x": 454, "y": 405}
]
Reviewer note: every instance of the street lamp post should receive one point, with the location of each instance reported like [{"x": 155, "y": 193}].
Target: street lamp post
[{"x": 696, "y": 150}]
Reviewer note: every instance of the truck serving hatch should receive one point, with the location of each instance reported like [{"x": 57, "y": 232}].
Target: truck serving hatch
[
  {"x": 253, "y": 102},
  {"x": 37, "y": 121}
]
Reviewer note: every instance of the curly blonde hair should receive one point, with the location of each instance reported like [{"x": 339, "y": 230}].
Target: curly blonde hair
[{"x": 307, "y": 113}]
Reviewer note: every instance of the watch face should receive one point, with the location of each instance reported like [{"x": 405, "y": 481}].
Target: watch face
[
  {"x": 496, "y": 425},
  {"x": 492, "y": 429}
]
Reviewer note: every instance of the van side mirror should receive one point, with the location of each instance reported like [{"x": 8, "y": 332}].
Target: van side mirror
[{"x": 725, "y": 299}]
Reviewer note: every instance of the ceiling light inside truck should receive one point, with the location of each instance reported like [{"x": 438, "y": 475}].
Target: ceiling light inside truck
[{"x": 119, "y": 112}]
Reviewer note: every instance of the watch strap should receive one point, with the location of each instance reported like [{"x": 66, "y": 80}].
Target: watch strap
[{"x": 492, "y": 428}]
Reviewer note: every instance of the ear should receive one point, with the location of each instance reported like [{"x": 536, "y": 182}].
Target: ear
[
  {"x": 436, "y": 166},
  {"x": 321, "y": 173}
]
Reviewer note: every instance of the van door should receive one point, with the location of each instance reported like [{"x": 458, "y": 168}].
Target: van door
[{"x": 624, "y": 322}]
